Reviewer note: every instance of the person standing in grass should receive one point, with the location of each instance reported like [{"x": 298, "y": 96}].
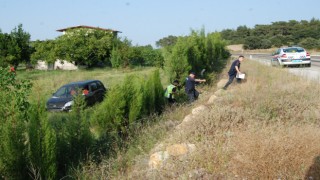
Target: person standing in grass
[
  {"x": 190, "y": 87},
  {"x": 234, "y": 70}
]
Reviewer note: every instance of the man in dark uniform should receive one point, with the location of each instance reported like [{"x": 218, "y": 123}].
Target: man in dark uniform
[
  {"x": 234, "y": 70},
  {"x": 191, "y": 86}
]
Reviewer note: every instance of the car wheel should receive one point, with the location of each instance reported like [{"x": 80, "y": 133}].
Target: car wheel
[
  {"x": 308, "y": 65},
  {"x": 280, "y": 65}
]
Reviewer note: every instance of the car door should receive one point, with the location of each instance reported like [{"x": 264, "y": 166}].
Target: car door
[
  {"x": 101, "y": 90},
  {"x": 275, "y": 57},
  {"x": 94, "y": 92},
  {"x": 90, "y": 97}
]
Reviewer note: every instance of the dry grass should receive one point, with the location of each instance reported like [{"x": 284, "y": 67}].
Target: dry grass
[
  {"x": 266, "y": 128},
  {"x": 278, "y": 151}
]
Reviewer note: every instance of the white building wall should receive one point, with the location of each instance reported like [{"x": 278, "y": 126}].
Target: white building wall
[
  {"x": 64, "y": 65},
  {"x": 41, "y": 65},
  {"x": 59, "y": 64}
]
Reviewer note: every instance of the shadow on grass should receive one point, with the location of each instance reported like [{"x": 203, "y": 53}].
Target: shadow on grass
[{"x": 314, "y": 170}]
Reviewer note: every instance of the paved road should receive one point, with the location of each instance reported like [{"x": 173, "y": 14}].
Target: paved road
[{"x": 311, "y": 73}]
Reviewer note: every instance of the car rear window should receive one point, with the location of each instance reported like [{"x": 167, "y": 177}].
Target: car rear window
[{"x": 293, "y": 50}]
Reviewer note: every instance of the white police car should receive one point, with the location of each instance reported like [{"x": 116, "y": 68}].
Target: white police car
[{"x": 290, "y": 56}]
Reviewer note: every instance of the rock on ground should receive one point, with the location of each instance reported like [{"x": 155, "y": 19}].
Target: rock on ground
[
  {"x": 157, "y": 159},
  {"x": 180, "y": 149},
  {"x": 212, "y": 99},
  {"x": 199, "y": 109}
]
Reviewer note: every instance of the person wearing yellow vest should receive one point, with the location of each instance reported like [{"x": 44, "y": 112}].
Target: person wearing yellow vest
[{"x": 170, "y": 92}]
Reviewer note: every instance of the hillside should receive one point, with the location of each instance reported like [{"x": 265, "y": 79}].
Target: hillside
[
  {"x": 267, "y": 127},
  {"x": 263, "y": 36}
]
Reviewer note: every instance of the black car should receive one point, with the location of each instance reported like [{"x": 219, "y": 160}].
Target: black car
[{"x": 62, "y": 100}]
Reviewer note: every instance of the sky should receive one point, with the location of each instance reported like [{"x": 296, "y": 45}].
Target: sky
[{"x": 147, "y": 21}]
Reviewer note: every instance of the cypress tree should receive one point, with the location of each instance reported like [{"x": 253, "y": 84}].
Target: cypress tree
[
  {"x": 42, "y": 145},
  {"x": 158, "y": 92}
]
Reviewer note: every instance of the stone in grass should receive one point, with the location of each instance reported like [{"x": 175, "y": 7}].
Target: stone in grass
[
  {"x": 180, "y": 149},
  {"x": 185, "y": 121},
  {"x": 199, "y": 109},
  {"x": 157, "y": 159},
  {"x": 212, "y": 99}
]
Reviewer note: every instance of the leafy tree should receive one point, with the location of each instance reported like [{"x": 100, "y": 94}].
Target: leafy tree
[
  {"x": 85, "y": 47},
  {"x": 253, "y": 42},
  {"x": 22, "y": 39},
  {"x": 195, "y": 52},
  {"x": 167, "y": 41},
  {"x": 136, "y": 56},
  {"x": 309, "y": 43},
  {"x": 176, "y": 62},
  {"x": 277, "y": 40},
  {"x": 116, "y": 58},
  {"x": 120, "y": 53},
  {"x": 4, "y": 39},
  {"x": 124, "y": 54},
  {"x": 9, "y": 50},
  {"x": 153, "y": 57},
  {"x": 44, "y": 50},
  {"x": 242, "y": 33},
  {"x": 276, "y": 34},
  {"x": 145, "y": 56},
  {"x": 230, "y": 35},
  {"x": 14, "y": 47},
  {"x": 265, "y": 44}
]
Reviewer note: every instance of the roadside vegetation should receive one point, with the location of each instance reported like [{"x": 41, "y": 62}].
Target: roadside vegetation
[
  {"x": 267, "y": 127},
  {"x": 40, "y": 145}
]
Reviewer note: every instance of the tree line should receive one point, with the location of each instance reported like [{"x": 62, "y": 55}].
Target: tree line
[
  {"x": 281, "y": 33},
  {"x": 81, "y": 47}
]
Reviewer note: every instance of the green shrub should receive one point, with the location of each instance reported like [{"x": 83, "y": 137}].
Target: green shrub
[
  {"x": 42, "y": 145},
  {"x": 196, "y": 52},
  {"x": 126, "y": 104},
  {"x": 13, "y": 118},
  {"x": 309, "y": 43},
  {"x": 74, "y": 138},
  {"x": 158, "y": 92}
]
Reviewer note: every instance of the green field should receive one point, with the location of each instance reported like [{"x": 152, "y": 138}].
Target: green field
[{"x": 47, "y": 82}]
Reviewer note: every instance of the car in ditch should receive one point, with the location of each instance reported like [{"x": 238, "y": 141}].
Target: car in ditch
[
  {"x": 62, "y": 100},
  {"x": 291, "y": 56}
]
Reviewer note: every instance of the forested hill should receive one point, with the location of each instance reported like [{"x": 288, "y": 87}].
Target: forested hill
[{"x": 304, "y": 33}]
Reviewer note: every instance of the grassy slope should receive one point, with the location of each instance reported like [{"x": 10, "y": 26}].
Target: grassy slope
[{"x": 267, "y": 128}]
